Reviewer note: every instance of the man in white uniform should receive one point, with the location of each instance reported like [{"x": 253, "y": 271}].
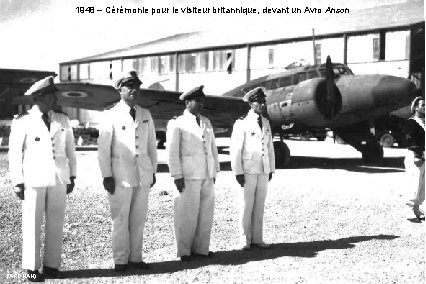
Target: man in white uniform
[
  {"x": 127, "y": 154},
  {"x": 253, "y": 162},
  {"x": 42, "y": 166},
  {"x": 193, "y": 163}
]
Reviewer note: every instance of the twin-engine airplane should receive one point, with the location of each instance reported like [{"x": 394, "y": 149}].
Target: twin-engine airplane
[{"x": 326, "y": 96}]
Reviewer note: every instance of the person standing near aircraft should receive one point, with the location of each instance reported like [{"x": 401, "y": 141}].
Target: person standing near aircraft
[
  {"x": 253, "y": 163},
  {"x": 415, "y": 160},
  {"x": 42, "y": 165},
  {"x": 127, "y": 156},
  {"x": 194, "y": 164}
]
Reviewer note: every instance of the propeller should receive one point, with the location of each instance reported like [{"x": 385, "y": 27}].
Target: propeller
[{"x": 331, "y": 90}]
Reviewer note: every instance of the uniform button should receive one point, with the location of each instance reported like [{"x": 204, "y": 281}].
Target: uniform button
[
  {"x": 137, "y": 155},
  {"x": 136, "y": 137},
  {"x": 137, "y": 146}
]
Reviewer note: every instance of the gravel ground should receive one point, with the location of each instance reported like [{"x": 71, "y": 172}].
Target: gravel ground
[{"x": 329, "y": 218}]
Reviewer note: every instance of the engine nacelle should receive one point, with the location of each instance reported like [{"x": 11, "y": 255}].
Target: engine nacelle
[{"x": 309, "y": 103}]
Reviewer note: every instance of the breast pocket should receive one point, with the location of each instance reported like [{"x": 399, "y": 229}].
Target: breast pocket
[{"x": 123, "y": 140}]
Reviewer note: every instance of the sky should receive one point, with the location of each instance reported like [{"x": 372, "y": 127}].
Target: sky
[{"x": 39, "y": 34}]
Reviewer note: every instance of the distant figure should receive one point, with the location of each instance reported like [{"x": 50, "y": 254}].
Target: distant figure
[
  {"x": 415, "y": 160},
  {"x": 42, "y": 165},
  {"x": 127, "y": 156},
  {"x": 193, "y": 163},
  {"x": 253, "y": 162}
]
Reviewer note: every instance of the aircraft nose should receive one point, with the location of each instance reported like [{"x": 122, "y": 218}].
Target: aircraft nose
[{"x": 391, "y": 90}]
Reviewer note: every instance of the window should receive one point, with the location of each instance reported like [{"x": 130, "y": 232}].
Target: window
[
  {"x": 285, "y": 81},
  {"x": 204, "y": 62},
  {"x": 172, "y": 63},
  {"x": 312, "y": 74},
  {"x": 217, "y": 60},
  {"x": 317, "y": 53},
  {"x": 145, "y": 65},
  {"x": 272, "y": 84},
  {"x": 229, "y": 62},
  {"x": 136, "y": 64},
  {"x": 271, "y": 58},
  {"x": 376, "y": 48},
  {"x": 155, "y": 64}
]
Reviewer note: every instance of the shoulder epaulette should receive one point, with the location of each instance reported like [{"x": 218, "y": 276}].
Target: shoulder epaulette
[
  {"x": 20, "y": 115},
  {"x": 111, "y": 106},
  {"x": 60, "y": 111},
  {"x": 242, "y": 117}
]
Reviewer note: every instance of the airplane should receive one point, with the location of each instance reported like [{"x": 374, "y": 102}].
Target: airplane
[{"x": 317, "y": 97}]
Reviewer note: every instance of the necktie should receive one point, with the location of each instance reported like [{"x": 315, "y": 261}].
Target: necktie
[
  {"x": 259, "y": 121},
  {"x": 133, "y": 113},
  {"x": 198, "y": 119},
  {"x": 45, "y": 118}
]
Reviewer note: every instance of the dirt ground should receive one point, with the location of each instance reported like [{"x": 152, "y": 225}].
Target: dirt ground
[{"x": 329, "y": 217}]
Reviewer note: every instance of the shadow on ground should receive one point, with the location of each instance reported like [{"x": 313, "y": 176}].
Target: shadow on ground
[
  {"x": 236, "y": 257},
  {"x": 388, "y": 165}
]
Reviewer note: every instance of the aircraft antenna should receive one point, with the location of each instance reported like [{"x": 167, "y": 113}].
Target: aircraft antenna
[{"x": 313, "y": 44}]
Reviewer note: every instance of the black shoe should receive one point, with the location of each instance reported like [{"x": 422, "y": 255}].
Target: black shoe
[
  {"x": 53, "y": 273},
  {"x": 120, "y": 268},
  {"x": 34, "y": 276},
  {"x": 185, "y": 258},
  {"x": 210, "y": 254},
  {"x": 139, "y": 265}
]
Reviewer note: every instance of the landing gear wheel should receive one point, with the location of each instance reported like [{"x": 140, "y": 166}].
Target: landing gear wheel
[
  {"x": 282, "y": 154},
  {"x": 386, "y": 140},
  {"x": 321, "y": 137},
  {"x": 372, "y": 153}
]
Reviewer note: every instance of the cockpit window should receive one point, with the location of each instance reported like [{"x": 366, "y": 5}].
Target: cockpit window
[{"x": 338, "y": 70}]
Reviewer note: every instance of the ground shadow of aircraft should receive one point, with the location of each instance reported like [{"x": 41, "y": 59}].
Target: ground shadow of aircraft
[
  {"x": 388, "y": 165},
  {"x": 237, "y": 257}
]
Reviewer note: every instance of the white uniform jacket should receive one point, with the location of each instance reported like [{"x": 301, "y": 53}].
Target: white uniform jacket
[
  {"x": 36, "y": 155},
  {"x": 252, "y": 149},
  {"x": 192, "y": 148},
  {"x": 127, "y": 149}
]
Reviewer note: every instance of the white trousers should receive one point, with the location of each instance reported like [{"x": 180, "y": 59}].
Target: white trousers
[
  {"x": 39, "y": 201},
  {"x": 193, "y": 217},
  {"x": 252, "y": 204},
  {"x": 129, "y": 206},
  {"x": 415, "y": 180}
]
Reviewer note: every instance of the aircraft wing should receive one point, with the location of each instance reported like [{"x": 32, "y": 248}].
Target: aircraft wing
[
  {"x": 15, "y": 82},
  {"x": 18, "y": 81},
  {"x": 164, "y": 105}
]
